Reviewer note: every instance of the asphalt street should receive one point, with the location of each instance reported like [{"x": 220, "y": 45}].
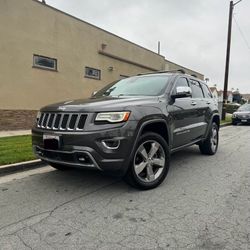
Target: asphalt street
[{"x": 203, "y": 204}]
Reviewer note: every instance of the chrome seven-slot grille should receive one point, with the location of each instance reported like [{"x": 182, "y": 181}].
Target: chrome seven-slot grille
[{"x": 62, "y": 121}]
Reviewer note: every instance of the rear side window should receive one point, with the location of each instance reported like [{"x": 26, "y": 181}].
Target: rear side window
[
  {"x": 196, "y": 89},
  {"x": 207, "y": 91}
]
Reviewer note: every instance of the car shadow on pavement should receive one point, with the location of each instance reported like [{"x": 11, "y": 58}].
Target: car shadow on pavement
[{"x": 81, "y": 178}]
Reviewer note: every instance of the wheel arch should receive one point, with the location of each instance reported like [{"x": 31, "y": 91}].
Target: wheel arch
[
  {"x": 215, "y": 118},
  {"x": 158, "y": 126}
]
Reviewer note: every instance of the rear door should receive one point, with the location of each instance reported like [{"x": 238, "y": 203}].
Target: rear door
[{"x": 199, "y": 123}]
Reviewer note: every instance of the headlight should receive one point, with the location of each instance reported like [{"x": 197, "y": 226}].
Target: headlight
[{"x": 113, "y": 116}]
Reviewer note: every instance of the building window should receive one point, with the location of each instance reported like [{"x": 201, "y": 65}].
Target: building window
[
  {"x": 93, "y": 73},
  {"x": 44, "y": 62}
]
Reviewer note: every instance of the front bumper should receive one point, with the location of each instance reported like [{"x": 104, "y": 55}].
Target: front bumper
[
  {"x": 241, "y": 120},
  {"x": 86, "y": 149}
]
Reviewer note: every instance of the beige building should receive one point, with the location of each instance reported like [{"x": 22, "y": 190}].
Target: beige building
[{"x": 48, "y": 56}]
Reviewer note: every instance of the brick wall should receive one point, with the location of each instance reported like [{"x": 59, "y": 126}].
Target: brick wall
[{"x": 17, "y": 119}]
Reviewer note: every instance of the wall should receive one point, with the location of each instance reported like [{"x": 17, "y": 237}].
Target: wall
[
  {"x": 17, "y": 119},
  {"x": 31, "y": 27}
]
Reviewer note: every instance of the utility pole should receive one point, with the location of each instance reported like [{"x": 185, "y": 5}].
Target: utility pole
[
  {"x": 231, "y": 7},
  {"x": 159, "y": 47}
]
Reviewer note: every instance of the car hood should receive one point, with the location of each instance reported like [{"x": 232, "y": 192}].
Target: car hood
[{"x": 100, "y": 104}]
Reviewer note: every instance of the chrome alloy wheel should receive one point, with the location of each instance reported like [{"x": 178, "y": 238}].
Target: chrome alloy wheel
[
  {"x": 149, "y": 161},
  {"x": 214, "y": 139}
]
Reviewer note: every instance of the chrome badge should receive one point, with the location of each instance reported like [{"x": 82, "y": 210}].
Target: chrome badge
[{"x": 62, "y": 108}]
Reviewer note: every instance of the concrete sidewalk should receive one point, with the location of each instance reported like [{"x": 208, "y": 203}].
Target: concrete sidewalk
[{"x": 14, "y": 133}]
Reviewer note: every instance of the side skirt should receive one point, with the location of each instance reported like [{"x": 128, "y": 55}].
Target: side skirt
[{"x": 185, "y": 146}]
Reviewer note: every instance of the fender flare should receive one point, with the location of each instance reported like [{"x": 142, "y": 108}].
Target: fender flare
[
  {"x": 138, "y": 134},
  {"x": 210, "y": 123}
]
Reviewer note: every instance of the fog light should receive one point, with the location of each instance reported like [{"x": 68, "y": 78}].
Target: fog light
[
  {"x": 82, "y": 159},
  {"x": 111, "y": 144}
]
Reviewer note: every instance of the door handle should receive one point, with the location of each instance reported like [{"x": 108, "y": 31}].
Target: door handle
[
  {"x": 193, "y": 103},
  {"x": 208, "y": 102}
]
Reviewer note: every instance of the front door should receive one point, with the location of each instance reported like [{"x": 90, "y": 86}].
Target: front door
[{"x": 183, "y": 114}]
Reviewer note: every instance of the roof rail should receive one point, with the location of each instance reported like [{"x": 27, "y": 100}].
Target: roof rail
[{"x": 165, "y": 71}]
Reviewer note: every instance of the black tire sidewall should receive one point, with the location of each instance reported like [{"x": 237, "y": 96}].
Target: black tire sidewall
[
  {"x": 206, "y": 147},
  {"x": 214, "y": 125}
]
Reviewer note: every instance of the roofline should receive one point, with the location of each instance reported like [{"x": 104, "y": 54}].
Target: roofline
[{"x": 108, "y": 32}]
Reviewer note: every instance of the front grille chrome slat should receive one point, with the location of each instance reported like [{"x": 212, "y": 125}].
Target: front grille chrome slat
[
  {"x": 81, "y": 122},
  {"x": 39, "y": 123},
  {"x": 72, "y": 121},
  {"x": 47, "y": 122},
  {"x": 45, "y": 119},
  {"x": 57, "y": 121},
  {"x": 62, "y": 121},
  {"x": 53, "y": 122}
]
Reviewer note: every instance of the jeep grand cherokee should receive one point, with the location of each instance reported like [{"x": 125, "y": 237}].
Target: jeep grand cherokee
[{"x": 130, "y": 127}]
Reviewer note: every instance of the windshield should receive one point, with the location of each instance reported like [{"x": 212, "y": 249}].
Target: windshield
[
  {"x": 136, "y": 86},
  {"x": 245, "y": 107}
]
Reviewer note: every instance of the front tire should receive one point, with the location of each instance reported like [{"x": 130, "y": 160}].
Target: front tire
[
  {"x": 150, "y": 163},
  {"x": 210, "y": 145}
]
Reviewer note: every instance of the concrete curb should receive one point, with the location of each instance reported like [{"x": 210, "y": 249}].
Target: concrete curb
[{"x": 21, "y": 166}]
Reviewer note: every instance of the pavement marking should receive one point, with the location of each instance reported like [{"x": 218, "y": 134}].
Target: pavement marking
[{"x": 24, "y": 174}]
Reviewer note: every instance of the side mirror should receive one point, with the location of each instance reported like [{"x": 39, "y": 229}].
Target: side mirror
[
  {"x": 182, "y": 92},
  {"x": 93, "y": 93}
]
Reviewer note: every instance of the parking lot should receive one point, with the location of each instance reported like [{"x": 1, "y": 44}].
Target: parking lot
[{"x": 203, "y": 204}]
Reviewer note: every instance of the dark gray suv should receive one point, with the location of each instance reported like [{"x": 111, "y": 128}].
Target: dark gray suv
[{"x": 130, "y": 127}]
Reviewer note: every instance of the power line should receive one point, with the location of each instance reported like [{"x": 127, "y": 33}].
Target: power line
[{"x": 241, "y": 33}]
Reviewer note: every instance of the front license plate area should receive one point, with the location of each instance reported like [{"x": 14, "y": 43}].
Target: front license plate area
[
  {"x": 243, "y": 120},
  {"x": 51, "y": 141}
]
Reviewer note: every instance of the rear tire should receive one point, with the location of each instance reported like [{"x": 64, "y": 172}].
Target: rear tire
[
  {"x": 150, "y": 162},
  {"x": 59, "y": 167},
  {"x": 210, "y": 145}
]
